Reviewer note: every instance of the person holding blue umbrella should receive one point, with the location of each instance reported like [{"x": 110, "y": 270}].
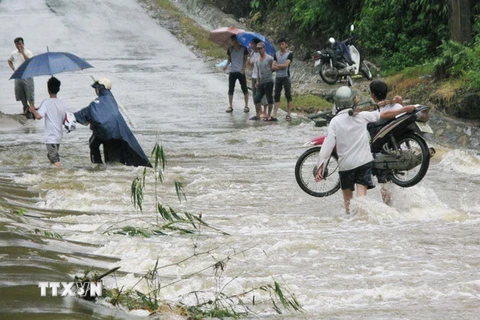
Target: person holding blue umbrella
[
  {"x": 237, "y": 59},
  {"x": 24, "y": 88}
]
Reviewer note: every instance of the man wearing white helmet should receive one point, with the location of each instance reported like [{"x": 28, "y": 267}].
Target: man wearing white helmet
[
  {"x": 110, "y": 129},
  {"x": 352, "y": 141}
]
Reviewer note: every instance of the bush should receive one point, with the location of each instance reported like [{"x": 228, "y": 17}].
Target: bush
[{"x": 459, "y": 61}]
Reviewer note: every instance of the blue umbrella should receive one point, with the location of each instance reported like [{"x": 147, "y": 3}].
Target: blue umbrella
[
  {"x": 246, "y": 37},
  {"x": 49, "y": 63}
]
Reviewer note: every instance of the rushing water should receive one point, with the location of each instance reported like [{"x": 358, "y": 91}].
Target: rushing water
[{"x": 416, "y": 259}]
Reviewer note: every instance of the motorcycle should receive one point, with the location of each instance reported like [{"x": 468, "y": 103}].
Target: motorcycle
[
  {"x": 401, "y": 155},
  {"x": 340, "y": 59}
]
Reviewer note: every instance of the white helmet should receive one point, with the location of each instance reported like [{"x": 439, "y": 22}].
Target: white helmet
[
  {"x": 70, "y": 122},
  {"x": 344, "y": 98},
  {"x": 107, "y": 84}
]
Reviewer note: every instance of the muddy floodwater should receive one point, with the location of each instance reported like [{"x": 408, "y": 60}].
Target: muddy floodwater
[{"x": 418, "y": 259}]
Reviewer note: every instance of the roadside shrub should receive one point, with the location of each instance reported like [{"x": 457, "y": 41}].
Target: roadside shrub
[{"x": 459, "y": 61}]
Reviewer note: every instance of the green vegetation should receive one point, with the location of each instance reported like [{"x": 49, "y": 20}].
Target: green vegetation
[
  {"x": 215, "y": 304},
  {"x": 457, "y": 65},
  {"x": 307, "y": 103},
  {"x": 19, "y": 211},
  {"x": 409, "y": 41},
  {"x": 168, "y": 220},
  {"x": 459, "y": 62},
  {"x": 48, "y": 234},
  {"x": 394, "y": 34}
]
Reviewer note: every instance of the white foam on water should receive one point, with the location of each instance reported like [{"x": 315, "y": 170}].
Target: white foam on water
[{"x": 461, "y": 161}]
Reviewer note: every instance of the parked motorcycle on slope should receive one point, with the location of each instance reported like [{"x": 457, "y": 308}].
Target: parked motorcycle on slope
[
  {"x": 340, "y": 59},
  {"x": 401, "y": 155}
]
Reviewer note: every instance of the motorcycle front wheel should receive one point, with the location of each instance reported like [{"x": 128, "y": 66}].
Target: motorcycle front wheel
[
  {"x": 416, "y": 145},
  {"x": 306, "y": 168},
  {"x": 365, "y": 70},
  {"x": 324, "y": 68}
]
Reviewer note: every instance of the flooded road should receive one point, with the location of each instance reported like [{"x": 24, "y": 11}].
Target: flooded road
[{"x": 416, "y": 259}]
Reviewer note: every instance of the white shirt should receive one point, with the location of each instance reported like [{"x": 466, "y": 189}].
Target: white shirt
[
  {"x": 253, "y": 59},
  {"x": 350, "y": 136},
  {"x": 53, "y": 110},
  {"x": 389, "y": 107},
  {"x": 17, "y": 58}
]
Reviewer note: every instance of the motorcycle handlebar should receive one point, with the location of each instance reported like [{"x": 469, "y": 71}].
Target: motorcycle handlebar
[{"x": 350, "y": 40}]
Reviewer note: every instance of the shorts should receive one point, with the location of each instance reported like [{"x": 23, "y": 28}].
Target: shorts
[
  {"x": 52, "y": 154},
  {"x": 232, "y": 78},
  {"x": 254, "y": 91},
  {"x": 264, "y": 89},
  {"x": 360, "y": 175},
  {"x": 286, "y": 84},
  {"x": 24, "y": 90}
]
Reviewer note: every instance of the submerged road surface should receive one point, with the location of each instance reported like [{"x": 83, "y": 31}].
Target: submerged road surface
[{"x": 415, "y": 260}]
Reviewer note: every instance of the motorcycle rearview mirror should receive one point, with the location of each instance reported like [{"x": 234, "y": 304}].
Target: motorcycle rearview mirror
[
  {"x": 331, "y": 40},
  {"x": 352, "y": 27}
]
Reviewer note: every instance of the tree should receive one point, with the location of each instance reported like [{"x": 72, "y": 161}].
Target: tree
[{"x": 460, "y": 24}]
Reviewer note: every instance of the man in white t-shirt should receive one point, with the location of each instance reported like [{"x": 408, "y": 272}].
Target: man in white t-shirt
[
  {"x": 53, "y": 110},
  {"x": 349, "y": 135},
  {"x": 24, "y": 88}
]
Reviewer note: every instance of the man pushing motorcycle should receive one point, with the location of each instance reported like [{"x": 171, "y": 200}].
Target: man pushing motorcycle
[{"x": 348, "y": 133}]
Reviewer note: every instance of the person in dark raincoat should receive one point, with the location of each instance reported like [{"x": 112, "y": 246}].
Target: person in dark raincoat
[{"x": 110, "y": 129}]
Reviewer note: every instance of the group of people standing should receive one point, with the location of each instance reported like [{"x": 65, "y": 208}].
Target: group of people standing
[
  {"x": 265, "y": 90},
  {"x": 102, "y": 114}
]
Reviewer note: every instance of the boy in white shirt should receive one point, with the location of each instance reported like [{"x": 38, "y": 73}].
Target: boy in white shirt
[{"x": 53, "y": 110}]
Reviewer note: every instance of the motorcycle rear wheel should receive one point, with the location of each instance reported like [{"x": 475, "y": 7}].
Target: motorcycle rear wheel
[
  {"x": 306, "y": 168},
  {"x": 365, "y": 70},
  {"x": 323, "y": 68},
  {"x": 408, "y": 178}
]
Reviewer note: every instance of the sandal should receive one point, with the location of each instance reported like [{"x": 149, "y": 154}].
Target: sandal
[
  {"x": 254, "y": 118},
  {"x": 270, "y": 119},
  {"x": 229, "y": 110},
  {"x": 288, "y": 118},
  {"x": 246, "y": 110}
]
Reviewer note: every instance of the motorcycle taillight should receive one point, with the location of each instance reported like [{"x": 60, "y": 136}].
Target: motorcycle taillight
[{"x": 316, "y": 56}]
